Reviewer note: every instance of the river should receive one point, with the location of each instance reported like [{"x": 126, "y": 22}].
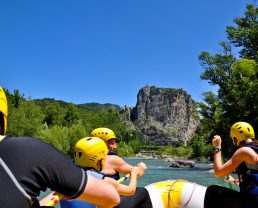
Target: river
[{"x": 159, "y": 170}]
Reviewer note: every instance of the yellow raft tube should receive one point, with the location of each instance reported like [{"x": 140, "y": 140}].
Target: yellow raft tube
[{"x": 176, "y": 194}]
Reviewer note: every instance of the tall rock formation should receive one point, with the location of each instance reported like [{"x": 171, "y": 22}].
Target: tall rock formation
[{"x": 164, "y": 115}]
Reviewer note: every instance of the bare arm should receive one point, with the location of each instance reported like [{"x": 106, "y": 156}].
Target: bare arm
[
  {"x": 220, "y": 169},
  {"x": 121, "y": 166},
  {"x": 125, "y": 190},
  {"x": 244, "y": 154},
  {"x": 100, "y": 192},
  {"x": 115, "y": 163}
]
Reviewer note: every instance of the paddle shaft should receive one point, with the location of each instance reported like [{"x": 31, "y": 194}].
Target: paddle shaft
[
  {"x": 54, "y": 200},
  {"x": 122, "y": 179}
]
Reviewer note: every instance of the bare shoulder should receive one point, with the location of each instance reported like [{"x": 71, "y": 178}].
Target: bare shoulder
[
  {"x": 246, "y": 150},
  {"x": 114, "y": 159},
  {"x": 247, "y": 154}
]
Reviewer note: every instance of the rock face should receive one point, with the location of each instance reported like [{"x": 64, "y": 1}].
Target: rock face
[{"x": 164, "y": 115}]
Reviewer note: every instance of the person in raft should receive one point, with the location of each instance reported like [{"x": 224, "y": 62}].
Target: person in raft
[
  {"x": 90, "y": 154},
  {"x": 28, "y": 166},
  {"x": 114, "y": 164},
  {"x": 245, "y": 162}
]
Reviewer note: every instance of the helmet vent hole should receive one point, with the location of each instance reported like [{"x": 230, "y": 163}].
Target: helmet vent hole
[
  {"x": 248, "y": 129},
  {"x": 79, "y": 154},
  {"x": 241, "y": 132},
  {"x": 239, "y": 127}
]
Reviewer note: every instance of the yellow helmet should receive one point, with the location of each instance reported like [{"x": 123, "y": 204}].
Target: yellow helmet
[
  {"x": 104, "y": 133},
  {"x": 241, "y": 131},
  {"x": 91, "y": 152},
  {"x": 3, "y": 110}
]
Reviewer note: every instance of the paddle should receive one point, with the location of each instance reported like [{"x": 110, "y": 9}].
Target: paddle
[
  {"x": 229, "y": 183},
  {"x": 122, "y": 179},
  {"x": 54, "y": 200},
  {"x": 57, "y": 197}
]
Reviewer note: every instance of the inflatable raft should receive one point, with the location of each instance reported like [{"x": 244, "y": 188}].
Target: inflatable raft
[
  {"x": 176, "y": 193},
  {"x": 163, "y": 194}
]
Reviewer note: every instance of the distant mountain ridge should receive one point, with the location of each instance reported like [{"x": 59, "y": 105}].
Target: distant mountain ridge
[
  {"x": 85, "y": 106},
  {"x": 96, "y": 106}
]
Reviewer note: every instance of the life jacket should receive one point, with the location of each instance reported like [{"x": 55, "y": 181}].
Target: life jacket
[
  {"x": 110, "y": 152},
  {"x": 248, "y": 176},
  {"x": 16, "y": 187},
  {"x": 117, "y": 175}
]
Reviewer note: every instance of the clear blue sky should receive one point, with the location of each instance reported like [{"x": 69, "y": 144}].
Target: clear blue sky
[{"x": 106, "y": 50}]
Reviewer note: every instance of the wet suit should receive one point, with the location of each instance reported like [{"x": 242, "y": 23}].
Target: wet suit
[
  {"x": 217, "y": 196},
  {"x": 29, "y": 166}
]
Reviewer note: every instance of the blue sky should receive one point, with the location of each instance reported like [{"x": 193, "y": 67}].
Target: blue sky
[{"x": 106, "y": 50}]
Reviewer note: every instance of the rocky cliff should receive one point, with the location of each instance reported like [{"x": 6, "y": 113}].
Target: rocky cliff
[{"x": 164, "y": 115}]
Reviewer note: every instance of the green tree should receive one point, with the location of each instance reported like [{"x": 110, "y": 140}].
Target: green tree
[
  {"x": 210, "y": 117},
  {"x": 245, "y": 33},
  {"x": 244, "y": 88},
  {"x": 236, "y": 79},
  {"x": 125, "y": 150},
  {"x": 201, "y": 147},
  {"x": 27, "y": 119},
  {"x": 71, "y": 115},
  {"x": 57, "y": 136},
  {"x": 209, "y": 111},
  {"x": 75, "y": 133},
  {"x": 54, "y": 114}
]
